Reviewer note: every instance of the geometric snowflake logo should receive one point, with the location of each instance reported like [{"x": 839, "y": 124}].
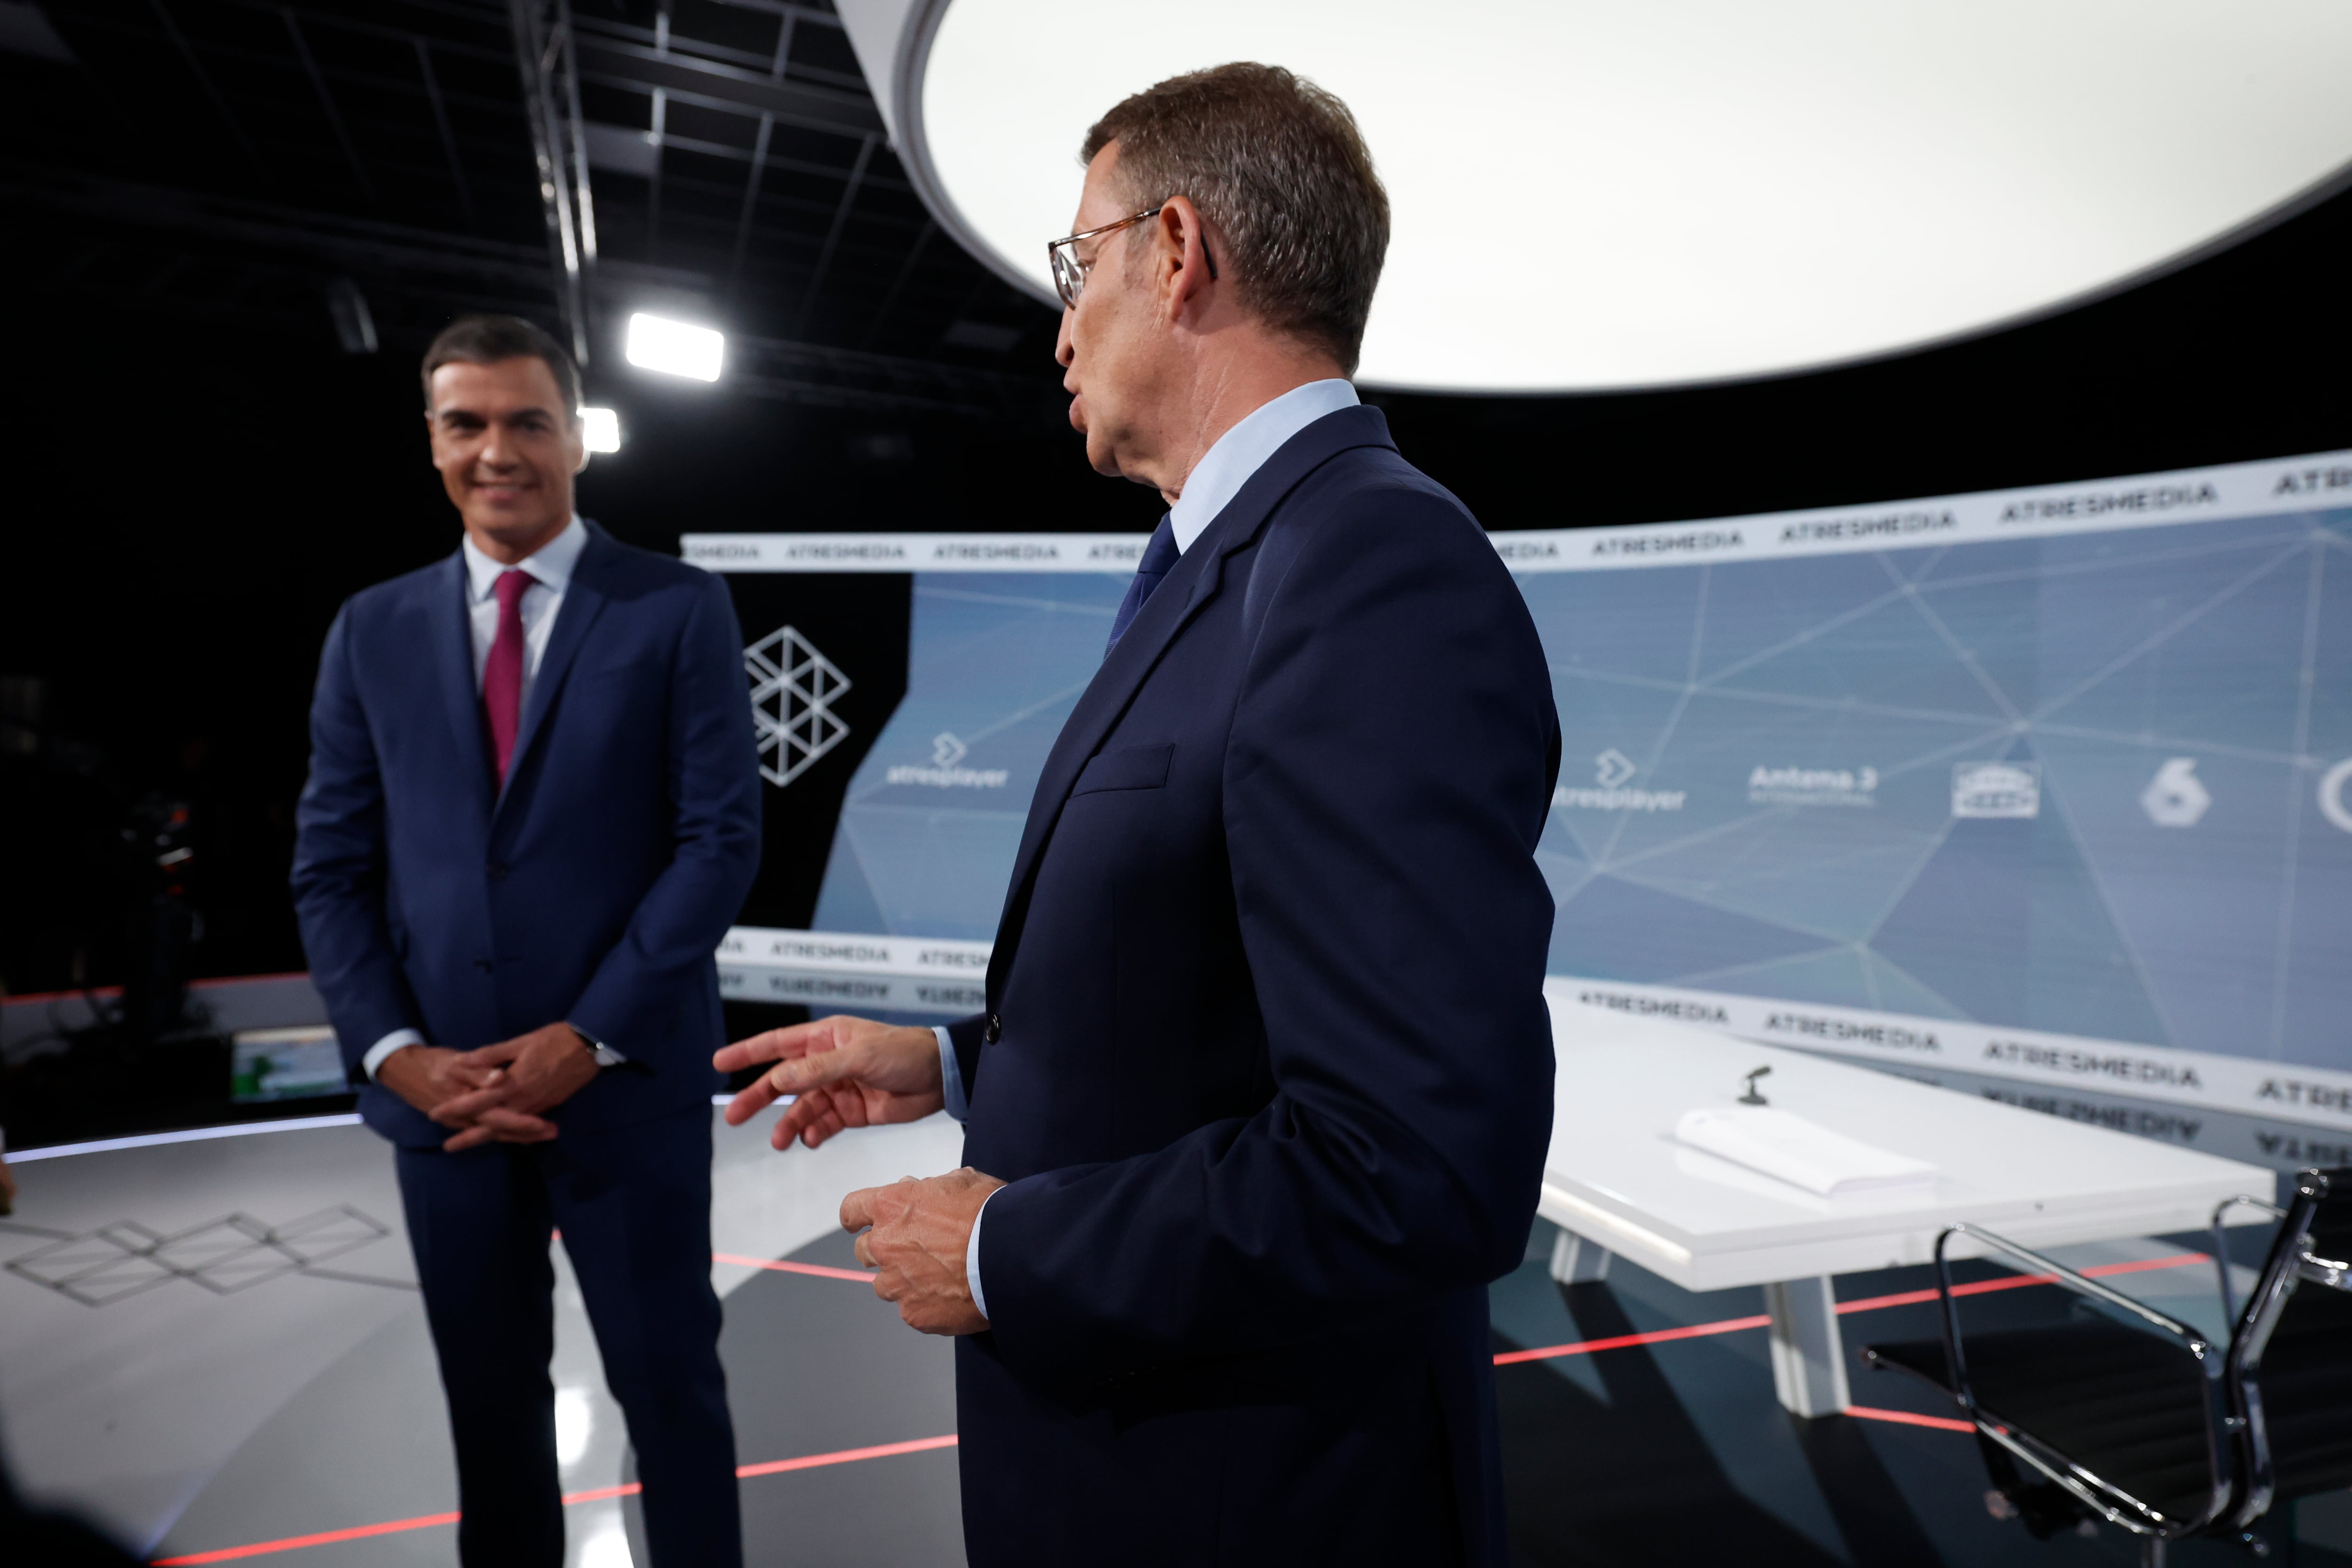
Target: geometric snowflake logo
[{"x": 794, "y": 688}]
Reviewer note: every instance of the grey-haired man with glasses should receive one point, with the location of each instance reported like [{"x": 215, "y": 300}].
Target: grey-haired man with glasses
[{"x": 1260, "y": 1099}]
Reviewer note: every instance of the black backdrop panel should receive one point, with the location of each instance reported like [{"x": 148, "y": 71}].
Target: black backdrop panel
[{"x": 860, "y": 623}]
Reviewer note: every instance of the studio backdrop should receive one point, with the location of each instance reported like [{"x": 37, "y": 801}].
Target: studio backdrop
[{"x": 2047, "y": 784}]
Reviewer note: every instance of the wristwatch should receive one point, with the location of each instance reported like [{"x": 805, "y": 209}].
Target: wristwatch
[{"x": 607, "y": 1057}]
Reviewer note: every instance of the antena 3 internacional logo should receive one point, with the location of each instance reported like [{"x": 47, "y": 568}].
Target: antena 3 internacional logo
[
  {"x": 1813, "y": 786},
  {"x": 1612, "y": 770},
  {"x": 946, "y": 770}
]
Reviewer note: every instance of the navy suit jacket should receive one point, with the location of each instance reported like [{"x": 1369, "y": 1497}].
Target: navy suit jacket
[
  {"x": 1270, "y": 1071},
  {"x": 593, "y": 890}
]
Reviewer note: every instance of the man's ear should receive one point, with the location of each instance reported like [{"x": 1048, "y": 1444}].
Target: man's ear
[{"x": 1179, "y": 255}]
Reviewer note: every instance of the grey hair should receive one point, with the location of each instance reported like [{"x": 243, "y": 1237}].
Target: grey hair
[{"x": 1279, "y": 170}]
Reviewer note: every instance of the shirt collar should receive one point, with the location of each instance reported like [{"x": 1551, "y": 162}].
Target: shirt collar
[
  {"x": 552, "y": 563},
  {"x": 1243, "y": 450}
]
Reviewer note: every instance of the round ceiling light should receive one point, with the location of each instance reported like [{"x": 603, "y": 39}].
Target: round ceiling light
[{"x": 1591, "y": 195}]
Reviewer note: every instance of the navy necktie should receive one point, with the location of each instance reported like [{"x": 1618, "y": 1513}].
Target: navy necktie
[{"x": 1159, "y": 557}]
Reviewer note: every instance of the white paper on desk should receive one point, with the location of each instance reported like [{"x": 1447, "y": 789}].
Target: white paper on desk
[{"x": 1801, "y": 1153}]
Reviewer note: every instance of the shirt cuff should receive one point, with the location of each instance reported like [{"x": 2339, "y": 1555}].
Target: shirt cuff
[
  {"x": 971, "y": 1255},
  {"x": 951, "y": 1082},
  {"x": 384, "y": 1047}
]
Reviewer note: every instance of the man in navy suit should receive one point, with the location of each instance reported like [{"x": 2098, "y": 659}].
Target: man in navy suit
[
  {"x": 1260, "y": 1101},
  {"x": 533, "y": 812}
]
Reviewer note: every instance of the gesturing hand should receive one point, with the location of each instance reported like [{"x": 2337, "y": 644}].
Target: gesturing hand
[
  {"x": 517, "y": 1080},
  {"x": 917, "y": 1234},
  {"x": 847, "y": 1072}
]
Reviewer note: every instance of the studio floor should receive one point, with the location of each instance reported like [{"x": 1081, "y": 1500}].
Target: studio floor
[{"x": 215, "y": 1350}]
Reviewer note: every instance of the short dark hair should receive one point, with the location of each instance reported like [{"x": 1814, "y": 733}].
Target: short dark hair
[
  {"x": 487, "y": 339},
  {"x": 1279, "y": 167}
]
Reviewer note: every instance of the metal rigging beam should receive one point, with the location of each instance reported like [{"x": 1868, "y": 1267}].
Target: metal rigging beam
[
  {"x": 327, "y": 102},
  {"x": 797, "y": 103},
  {"x": 545, "y": 60},
  {"x": 441, "y": 120},
  {"x": 833, "y": 235}
]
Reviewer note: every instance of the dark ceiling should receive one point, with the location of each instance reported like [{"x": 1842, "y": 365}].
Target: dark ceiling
[
  {"x": 237, "y": 157},
  {"x": 224, "y": 162}
]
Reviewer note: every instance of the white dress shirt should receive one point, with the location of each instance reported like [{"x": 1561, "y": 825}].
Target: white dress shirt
[
  {"x": 1211, "y": 486},
  {"x": 550, "y": 568}
]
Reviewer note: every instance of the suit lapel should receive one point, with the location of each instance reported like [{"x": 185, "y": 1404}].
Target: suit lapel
[
  {"x": 452, "y": 654},
  {"x": 1193, "y": 581},
  {"x": 583, "y": 598}
]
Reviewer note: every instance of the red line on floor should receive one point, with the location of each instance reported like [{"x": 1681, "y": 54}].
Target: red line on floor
[
  {"x": 427, "y": 1521},
  {"x": 781, "y": 1266},
  {"x": 847, "y": 1456},
  {"x": 1867, "y": 1304},
  {"x": 1906, "y": 1418},
  {"x": 924, "y": 1445},
  {"x": 1654, "y": 1337},
  {"x": 324, "y": 1538}
]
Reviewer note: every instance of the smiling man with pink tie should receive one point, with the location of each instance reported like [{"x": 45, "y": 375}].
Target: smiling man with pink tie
[{"x": 533, "y": 811}]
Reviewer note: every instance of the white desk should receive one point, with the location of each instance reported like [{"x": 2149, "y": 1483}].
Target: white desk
[{"x": 1616, "y": 1181}]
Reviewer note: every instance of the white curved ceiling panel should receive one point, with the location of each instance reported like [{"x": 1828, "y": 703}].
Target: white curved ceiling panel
[{"x": 1592, "y": 194}]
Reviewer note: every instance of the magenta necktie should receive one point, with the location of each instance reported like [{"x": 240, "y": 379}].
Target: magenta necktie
[{"x": 502, "y": 672}]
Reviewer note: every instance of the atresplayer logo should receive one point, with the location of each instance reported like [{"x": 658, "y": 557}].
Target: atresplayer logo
[
  {"x": 948, "y": 752},
  {"x": 1612, "y": 771}
]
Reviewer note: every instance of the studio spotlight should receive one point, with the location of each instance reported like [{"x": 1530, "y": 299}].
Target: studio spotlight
[
  {"x": 602, "y": 428},
  {"x": 675, "y": 348}
]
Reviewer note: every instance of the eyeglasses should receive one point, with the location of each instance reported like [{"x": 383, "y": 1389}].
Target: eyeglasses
[{"x": 1070, "y": 273}]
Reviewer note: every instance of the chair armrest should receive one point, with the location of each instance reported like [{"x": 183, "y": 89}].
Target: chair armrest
[
  {"x": 2332, "y": 1272},
  {"x": 2085, "y": 1487},
  {"x": 2059, "y": 1274},
  {"x": 2221, "y": 1251}
]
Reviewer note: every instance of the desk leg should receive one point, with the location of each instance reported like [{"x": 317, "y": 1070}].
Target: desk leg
[
  {"x": 1808, "y": 1357},
  {"x": 1576, "y": 1261}
]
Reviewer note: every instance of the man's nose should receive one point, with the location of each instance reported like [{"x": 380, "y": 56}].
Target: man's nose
[{"x": 1064, "y": 349}]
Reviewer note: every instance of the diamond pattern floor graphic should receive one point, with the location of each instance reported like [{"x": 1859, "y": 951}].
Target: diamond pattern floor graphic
[{"x": 224, "y": 1256}]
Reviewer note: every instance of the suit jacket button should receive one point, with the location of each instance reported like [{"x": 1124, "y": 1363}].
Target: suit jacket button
[
  {"x": 994, "y": 1032},
  {"x": 498, "y": 869}
]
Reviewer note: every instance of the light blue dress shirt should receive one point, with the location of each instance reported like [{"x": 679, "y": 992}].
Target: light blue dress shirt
[
  {"x": 550, "y": 568},
  {"x": 1209, "y": 488}
]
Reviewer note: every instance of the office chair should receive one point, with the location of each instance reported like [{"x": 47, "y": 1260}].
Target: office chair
[{"x": 2132, "y": 1416}]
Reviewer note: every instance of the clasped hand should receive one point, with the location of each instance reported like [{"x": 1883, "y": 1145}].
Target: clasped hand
[{"x": 496, "y": 1093}]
